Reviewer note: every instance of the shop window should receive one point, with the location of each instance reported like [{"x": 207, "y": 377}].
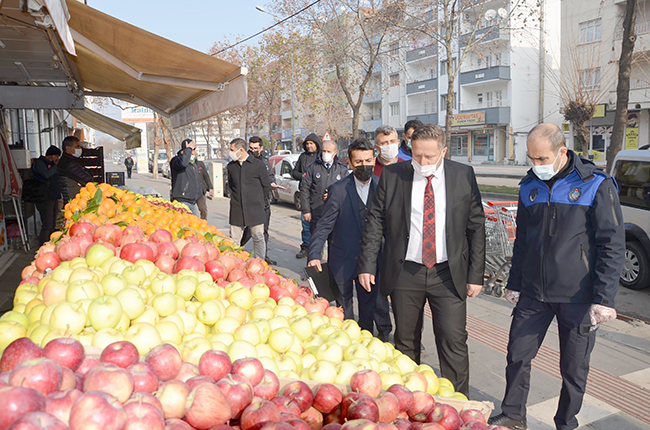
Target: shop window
[
  {"x": 459, "y": 145},
  {"x": 481, "y": 145}
]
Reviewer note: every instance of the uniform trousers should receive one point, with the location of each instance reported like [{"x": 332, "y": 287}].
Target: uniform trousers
[
  {"x": 531, "y": 319},
  {"x": 414, "y": 287}
]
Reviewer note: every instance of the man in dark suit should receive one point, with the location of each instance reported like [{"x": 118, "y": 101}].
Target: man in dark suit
[
  {"x": 343, "y": 217},
  {"x": 430, "y": 213}
]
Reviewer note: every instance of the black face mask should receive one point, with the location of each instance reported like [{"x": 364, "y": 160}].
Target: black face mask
[
  {"x": 363, "y": 173},
  {"x": 256, "y": 154}
]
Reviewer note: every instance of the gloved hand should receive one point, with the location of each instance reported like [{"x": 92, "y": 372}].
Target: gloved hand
[
  {"x": 601, "y": 314},
  {"x": 512, "y": 296}
]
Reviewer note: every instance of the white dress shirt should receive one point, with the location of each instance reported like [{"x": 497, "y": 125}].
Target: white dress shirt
[
  {"x": 362, "y": 190},
  {"x": 414, "y": 249}
]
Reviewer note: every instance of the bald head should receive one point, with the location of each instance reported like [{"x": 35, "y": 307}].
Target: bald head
[
  {"x": 550, "y": 133},
  {"x": 546, "y": 145}
]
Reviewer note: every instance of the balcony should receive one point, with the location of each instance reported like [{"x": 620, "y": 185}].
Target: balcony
[
  {"x": 496, "y": 114},
  {"x": 422, "y": 53},
  {"x": 372, "y": 96},
  {"x": 422, "y": 86},
  {"x": 425, "y": 118},
  {"x": 371, "y": 124},
  {"x": 487, "y": 74},
  {"x": 642, "y": 27},
  {"x": 486, "y": 34}
]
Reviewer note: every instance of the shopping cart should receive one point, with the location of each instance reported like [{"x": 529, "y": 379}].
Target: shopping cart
[{"x": 500, "y": 232}]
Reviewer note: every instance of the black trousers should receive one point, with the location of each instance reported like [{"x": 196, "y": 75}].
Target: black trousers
[
  {"x": 415, "y": 286},
  {"x": 366, "y": 301},
  {"x": 382, "y": 317},
  {"x": 128, "y": 172},
  {"x": 530, "y": 322},
  {"x": 267, "y": 221},
  {"x": 202, "y": 204},
  {"x": 48, "y": 210}
]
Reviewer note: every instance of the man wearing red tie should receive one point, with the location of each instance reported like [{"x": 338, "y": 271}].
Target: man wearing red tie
[{"x": 430, "y": 213}]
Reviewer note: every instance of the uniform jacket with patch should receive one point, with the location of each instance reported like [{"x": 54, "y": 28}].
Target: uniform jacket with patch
[{"x": 316, "y": 180}]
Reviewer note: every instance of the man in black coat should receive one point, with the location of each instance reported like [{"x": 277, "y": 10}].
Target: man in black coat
[
  {"x": 312, "y": 146},
  {"x": 186, "y": 180},
  {"x": 128, "y": 163},
  {"x": 248, "y": 180},
  {"x": 44, "y": 170},
  {"x": 430, "y": 213},
  {"x": 72, "y": 174}
]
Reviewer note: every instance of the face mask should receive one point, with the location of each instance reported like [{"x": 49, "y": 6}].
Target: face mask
[
  {"x": 546, "y": 171},
  {"x": 256, "y": 153},
  {"x": 408, "y": 143},
  {"x": 233, "y": 155},
  {"x": 192, "y": 158},
  {"x": 328, "y": 157},
  {"x": 389, "y": 152},
  {"x": 426, "y": 170},
  {"x": 77, "y": 152},
  {"x": 363, "y": 173}
]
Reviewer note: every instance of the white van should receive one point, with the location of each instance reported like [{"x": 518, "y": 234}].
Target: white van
[{"x": 632, "y": 173}]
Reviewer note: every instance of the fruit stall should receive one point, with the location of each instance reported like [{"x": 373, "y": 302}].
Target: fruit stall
[{"x": 140, "y": 315}]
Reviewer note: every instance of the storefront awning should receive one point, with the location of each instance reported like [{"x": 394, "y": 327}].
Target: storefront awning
[
  {"x": 116, "y": 59},
  {"x": 119, "y": 130}
]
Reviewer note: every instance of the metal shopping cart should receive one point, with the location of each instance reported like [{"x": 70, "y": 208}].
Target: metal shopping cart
[{"x": 500, "y": 232}]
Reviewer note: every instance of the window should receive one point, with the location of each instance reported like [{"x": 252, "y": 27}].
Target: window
[
  {"x": 394, "y": 109},
  {"x": 497, "y": 98},
  {"x": 394, "y": 80},
  {"x": 590, "y": 31},
  {"x": 479, "y": 99},
  {"x": 286, "y": 168},
  {"x": 590, "y": 79},
  {"x": 443, "y": 102},
  {"x": 633, "y": 178},
  {"x": 443, "y": 67},
  {"x": 394, "y": 48}
]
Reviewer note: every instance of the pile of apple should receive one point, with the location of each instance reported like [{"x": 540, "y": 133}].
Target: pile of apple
[{"x": 61, "y": 387}]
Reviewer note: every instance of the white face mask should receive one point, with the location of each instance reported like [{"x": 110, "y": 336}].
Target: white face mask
[
  {"x": 328, "y": 157},
  {"x": 426, "y": 170},
  {"x": 77, "y": 152},
  {"x": 546, "y": 171},
  {"x": 389, "y": 152},
  {"x": 233, "y": 155}
]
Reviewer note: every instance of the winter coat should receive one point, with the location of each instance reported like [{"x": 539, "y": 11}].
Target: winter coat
[
  {"x": 306, "y": 158},
  {"x": 128, "y": 162},
  {"x": 570, "y": 245},
  {"x": 206, "y": 180},
  {"x": 187, "y": 185},
  {"x": 316, "y": 180},
  {"x": 44, "y": 170},
  {"x": 72, "y": 176},
  {"x": 249, "y": 185}
]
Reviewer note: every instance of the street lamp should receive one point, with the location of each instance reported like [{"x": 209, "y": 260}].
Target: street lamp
[{"x": 293, "y": 125}]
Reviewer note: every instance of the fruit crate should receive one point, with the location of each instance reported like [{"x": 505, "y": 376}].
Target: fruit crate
[
  {"x": 485, "y": 407},
  {"x": 93, "y": 160}
]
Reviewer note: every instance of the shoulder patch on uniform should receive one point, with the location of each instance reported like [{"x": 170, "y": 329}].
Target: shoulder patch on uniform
[
  {"x": 318, "y": 175},
  {"x": 575, "y": 193},
  {"x": 338, "y": 177},
  {"x": 533, "y": 194}
]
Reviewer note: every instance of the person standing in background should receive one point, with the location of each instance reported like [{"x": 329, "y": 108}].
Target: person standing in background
[
  {"x": 187, "y": 185},
  {"x": 72, "y": 174},
  {"x": 387, "y": 145},
  {"x": 312, "y": 149},
  {"x": 405, "y": 148},
  {"x": 128, "y": 163},
  {"x": 206, "y": 181},
  {"x": 44, "y": 170}
]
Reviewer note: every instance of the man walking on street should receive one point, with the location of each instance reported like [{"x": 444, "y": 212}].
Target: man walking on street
[
  {"x": 72, "y": 174},
  {"x": 248, "y": 180},
  {"x": 326, "y": 170},
  {"x": 312, "y": 149},
  {"x": 186, "y": 180},
  {"x": 405, "y": 147},
  {"x": 429, "y": 211},
  {"x": 387, "y": 145},
  {"x": 44, "y": 170},
  {"x": 567, "y": 260},
  {"x": 206, "y": 181},
  {"x": 128, "y": 163},
  {"x": 256, "y": 149}
]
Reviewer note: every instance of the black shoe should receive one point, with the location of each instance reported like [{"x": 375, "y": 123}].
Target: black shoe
[
  {"x": 303, "y": 252},
  {"x": 503, "y": 420},
  {"x": 270, "y": 262}
]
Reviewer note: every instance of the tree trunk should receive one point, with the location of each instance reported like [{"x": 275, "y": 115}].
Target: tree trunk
[
  {"x": 155, "y": 161},
  {"x": 221, "y": 142},
  {"x": 582, "y": 133},
  {"x": 623, "y": 86},
  {"x": 449, "y": 114},
  {"x": 356, "y": 110}
]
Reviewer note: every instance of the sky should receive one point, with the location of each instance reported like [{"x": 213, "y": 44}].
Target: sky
[{"x": 194, "y": 23}]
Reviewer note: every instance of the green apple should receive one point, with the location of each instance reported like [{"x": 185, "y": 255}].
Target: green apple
[
  {"x": 262, "y": 312},
  {"x": 433, "y": 383},
  {"x": 149, "y": 316},
  {"x": 10, "y": 331},
  {"x": 189, "y": 320},
  {"x": 351, "y": 327},
  {"x": 164, "y": 303},
  {"x": 225, "y": 338},
  {"x": 361, "y": 363},
  {"x": 297, "y": 347},
  {"x": 201, "y": 328},
  {"x": 144, "y": 336},
  {"x": 376, "y": 346},
  {"x": 226, "y": 325},
  {"x": 299, "y": 310},
  {"x": 264, "y": 327},
  {"x": 356, "y": 350},
  {"x": 325, "y": 330},
  {"x": 311, "y": 350},
  {"x": 242, "y": 298},
  {"x": 279, "y": 321},
  {"x": 191, "y": 336},
  {"x": 405, "y": 364},
  {"x": 86, "y": 337},
  {"x": 68, "y": 316},
  {"x": 335, "y": 322},
  {"x": 283, "y": 310},
  {"x": 83, "y": 274},
  {"x": 209, "y": 312},
  {"x": 313, "y": 340},
  {"x": 248, "y": 332},
  {"x": 24, "y": 296},
  {"x": 176, "y": 319},
  {"x": 264, "y": 350},
  {"x": 36, "y": 335},
  {"x": 79, "y": 262},
  {"x": 340, "y": 337},
  {"x": 288, "y": 301},
  {"x": 35, "y": 314},
  {"x": 61, "y": 274},
  {"x": 260, "y": 291},
  {"x": 185, "y": 273},
  {"x": 308, "y": 360},
  {"x": 162, "y": 283},
  {"x": 104, "y": 312},
  {"x": 241, "y": 349},
  {"x": 344, "y": 372},
  {"x": 119, "y": 265},
  {"x": 203, "y": 276},
  {"x": 124, "y": 322},
  {"x": 150, "y": 269},
  {"x": 82, "y": 289},
  {"x": 193, "y": 349},
  {"x": 302, "y": 328},
  {"x": 186, "y": 286},
  {"x": 17, "y": 316},
  {"x": 169, "y": 332},
  {"x": 330, "y": 351},
  {"x": 97, "y": 254},
  {"x": 281, "y": 339},
  {"x": 383, "y": 367},
  {"x": 207, "y": 291},
  {"x": 232, "y": 287},
  {"x": 133, "y": 274},
  {"x": 106, "y": 265},
  {"x": 104, "y": 337},
  {"x": 269, "y": 364},
  {"x": 192, "y": 307},
  {"x": 389, "y": 378},
  {"x": 113, "y": 283},
  {"x": 322, "y": 371},
  {"x": 56, "y": 334},
  {"x": 297, "y": 358},
  {"x": 131, "y": 301},
  {"x": 47, "y": 313},
  {"x": 288, "y": 374},
  {"x": 285, "y": 362},
  {"x": 219, "y": 346}
]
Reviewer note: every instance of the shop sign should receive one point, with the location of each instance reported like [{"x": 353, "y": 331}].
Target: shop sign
[
  {"x": 599, "y": 111},
  {"x": 470, "y": 118}
]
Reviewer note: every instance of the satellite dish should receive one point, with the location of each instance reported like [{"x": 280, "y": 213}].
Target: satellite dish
[
  {"x": 490, "y": 14},
  {"x": 502, "y": 12}
]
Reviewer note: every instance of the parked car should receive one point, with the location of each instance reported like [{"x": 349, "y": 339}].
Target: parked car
[
  {"x": 166, "y": 170},
  {"x": 632, "y": 173},
  {"x": 162, "y": 159},
  {"x": 282, "y": 165}
]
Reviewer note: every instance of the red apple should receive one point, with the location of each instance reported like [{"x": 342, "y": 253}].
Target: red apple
[
  {"x": 144, "y": 377},
  {"x": 172, "y": 395},
  {"x": 254, "y": 265},
  {"x": 363, "y": 409},
  {"x": 215, "y": 364},
  {"x": 258, "y": 413},
  {"x": 121, "y": 353},
  {"x": 207, "y": 406},
  {"x": 445, "y": 415},
  {"x": 213, "y": 251},
  {"x": 82, "y": 227},
  {"x": 216, "y": 269},
  {"x": 278, "y": 292},
  {"x": 68, "y": 379},
  {"x": 238, "y": 391},
  {"x": 68, "y": 250},
  {"x": 250, "y": 368},
  {"x": 145, "y": 398},
  {"x": 143, "y": 416},
  {"x": 160, "y": 236},
  {"x": 195, "y": 250},
  {"x": 388, "y": 407},
  {"x": 88, "y": 363},
  {"x": 360, "y": 424},
  {"x": 97, "y": 410},
  {"x": 196, "y": 380},
  {"x": 313, "y": 418},
  {"x": 286, "y": 417},
  {"x": 277, "y": 425},
  {"x": 236, "y": 274},
  {"x": 131, "y": 238},
  {"x": 350, "y": 398},
  {"x": 108, "y": 233},
  {"x": 187, "y": 371},
  {"x": 472, "y": 415},
  {"x": 271, "y": 278},
  {"x": 84, "y": 240},
  {"x": 165, "y": 361},
  {"x": 269, "y": 387},
  {"x": 47, "y": 260},
  {"x": 154, "y": 248},
  {"x": 422, "y": 404},
  {"x": 366, "y": 381},
  {"x": 331, "y": 426},
  {"x": 404, "y": 396},
  {"x": 37, "y": 421},
  {"x": 110, "y": 379},
  {"x": 334, "y": 417},
  {"x": 176, "y": 424},
  {"x": 287, "y": 406},
  {"x": 300, "y": 393},
  {"x": 189, "y": 263},
  {"x": 402, "y": 423},
  {"x": 298, "y": 424},
  {"x": 16, "y": 401},
  {"x": 136, "y": 251},
  {"x": 166, "y": 264},
  {"x": 477, "y": 425},
  {"x": 168, "y": 249},
  {"x": 489, "y": 427},
  {"x": 228, "y": 262},
  {"x": 132, "y": 230},
  {"x": 66, "y": 351},
  {"x": 327, "y": 397},
  {"x": 42, "y": 374},
  {"x": 425, "y": 426},
  {"x": 334, "y": 312},
  {"x": 59, "y": 403},
  {"x": 18, "y": 351}
]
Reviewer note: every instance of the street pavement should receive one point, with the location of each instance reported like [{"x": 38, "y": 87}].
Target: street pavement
[{"x": 618, "y": 393}]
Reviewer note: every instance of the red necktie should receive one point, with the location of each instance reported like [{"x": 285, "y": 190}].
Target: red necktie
[{"x": 429, "y": 226}]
